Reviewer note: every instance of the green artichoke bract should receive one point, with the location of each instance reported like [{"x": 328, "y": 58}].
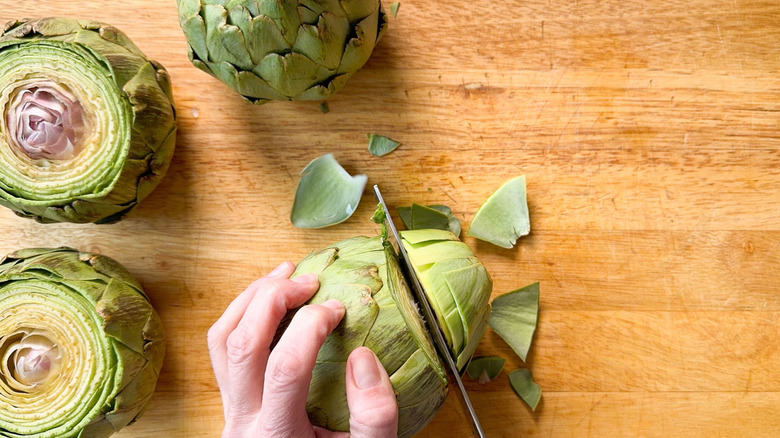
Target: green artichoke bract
[
  {"x": 80, "y": 344},
  {"x": 281, "y": 49},
  {"x": 364, "y": 274},
  {"x": 88, "y": 126}
]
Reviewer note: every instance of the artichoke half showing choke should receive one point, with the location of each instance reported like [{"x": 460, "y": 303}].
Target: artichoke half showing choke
[
  {"x": 87, "y": 124},
  {"x": 81, "y": 347},
  {"x": 281, "y": 49},
  {"x": 381, "y": 314}
]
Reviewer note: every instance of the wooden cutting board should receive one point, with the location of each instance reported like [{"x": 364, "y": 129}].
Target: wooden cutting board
[{"x": 648, "y": 132}]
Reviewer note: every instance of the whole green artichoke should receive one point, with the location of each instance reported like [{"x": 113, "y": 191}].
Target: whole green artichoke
[
  {"x": 364, "y": 274},
  {"x": 282, "y": 49},
  {"x": 88, "y": 127},
  {"x": 81, "y": 346}
]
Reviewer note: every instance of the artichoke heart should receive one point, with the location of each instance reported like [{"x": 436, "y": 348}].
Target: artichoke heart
[
  {"x": 80, "y": 344},
  {"x": 381, "y": 314},
  {"x": 281, "y": 49},
  {"x": 87, "y": 124}
]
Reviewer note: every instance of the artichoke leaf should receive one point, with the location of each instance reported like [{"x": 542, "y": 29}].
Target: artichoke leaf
[
  {"x": 411, "y": 223},
  {"x": 394, "y": 8},
  {"x": 379, "y": 145},
  {"x": 485, "y": 368},
  {"x": 524, "y": 386},
  {"x": 326, "y": 194},
  {"x": 503, "y": 217},
  {"x": 514, "y": 317}
]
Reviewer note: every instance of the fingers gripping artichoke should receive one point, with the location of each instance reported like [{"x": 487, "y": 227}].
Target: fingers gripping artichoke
[
  {"x": 80, "y": 345},
  {"x": 364, "y": 274},
  {"x": 88, "y": 126},
  {"x": 282, "y": 49}
]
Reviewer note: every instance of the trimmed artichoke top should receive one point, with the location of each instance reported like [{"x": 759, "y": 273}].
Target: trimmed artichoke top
[
  {"x": 457, "y": 285},
  {"x": 80, "y": 345},
  {"x": 381, "y": 314},
  {"x": 87, "y": 124},
  {"x": 282, "y": 49}
]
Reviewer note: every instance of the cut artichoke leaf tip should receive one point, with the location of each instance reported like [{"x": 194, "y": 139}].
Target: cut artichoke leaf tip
[
  {"x": 485, "y": 368},
  {"x": 503, "y": 217},
  {"x": 394, "y": 8},
  {"x": 514, "y": 317},
  {"x": 422, "y": 217},
  {"x": 524, "y": 386},
  {"x": 326, "y": 194},
  {"x": 379, "y": 145}
]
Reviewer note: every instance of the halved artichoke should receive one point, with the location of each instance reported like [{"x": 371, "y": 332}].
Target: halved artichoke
[
  {"x": 281, "y": 49},
  {"x": 80, "y": 345},
  {"x": 364, "y": 274},
  {"x": 88, "y": 126}
]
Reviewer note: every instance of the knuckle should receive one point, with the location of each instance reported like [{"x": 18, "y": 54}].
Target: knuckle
[
  {"x": 214, "y": 337},
  {"x": 316, "y": 320},
  {"x": 284, "y": 368},
  {"x": 240, "y": 346}
]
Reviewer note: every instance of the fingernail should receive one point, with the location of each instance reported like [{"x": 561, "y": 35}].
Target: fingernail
[
  {"x": 277, "y": 272},
  {"x": 334, "y": 305},
  {"x": 365, "y": 371},
  {"x": 305, "y": 279}
]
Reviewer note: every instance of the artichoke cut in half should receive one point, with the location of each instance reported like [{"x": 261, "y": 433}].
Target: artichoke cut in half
[
  {"x": 87, "y": 123},
  {"x": 281, "y": 49},
  {"x": 381, "y": 314},
  {"x": 81, "y": 347}
]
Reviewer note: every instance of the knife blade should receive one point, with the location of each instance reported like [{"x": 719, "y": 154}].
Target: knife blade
[{"x": 430, "y": 318}]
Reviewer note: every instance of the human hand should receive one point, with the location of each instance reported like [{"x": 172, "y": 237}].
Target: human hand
[{"x": 264, "y": 392}]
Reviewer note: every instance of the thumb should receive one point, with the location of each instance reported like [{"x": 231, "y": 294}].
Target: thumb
[{"x": 373, "y": 410}]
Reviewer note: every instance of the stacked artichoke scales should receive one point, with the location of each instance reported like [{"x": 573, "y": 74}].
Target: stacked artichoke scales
[
  {"x": 87, "y": 126},
  {"x": 282, "y": 49},
  {"x": 80, "y": 345},
  {"x": 364, "y": 273}
]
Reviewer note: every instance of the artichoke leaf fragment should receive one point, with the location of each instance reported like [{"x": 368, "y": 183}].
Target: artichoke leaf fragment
[
  {"x": 524, "y": 386},
  {"x": 503, "y": 217},
  {"x": 514, "y": 317},
  {"x": 394, "y": 8},
  {"x": 379, "y": 145},
  {"x": 420, "y": 216},
  {"x": 326, "y": 194},
  {"x": 485, "y": 368}
]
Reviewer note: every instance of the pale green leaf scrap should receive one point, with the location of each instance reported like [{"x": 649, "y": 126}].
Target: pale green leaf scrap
[
  {"x": 524, "y": 386},
  {"x": 412, "y": 222},
  {"x": 514, "y": 317},
  {"x": 326, "y": 194},
  {"x": 394, "y": 8},
  {"x": 379, "y": 145},
  {"x": 485, "y": 368},
  {"x": 503, "y": 217}
]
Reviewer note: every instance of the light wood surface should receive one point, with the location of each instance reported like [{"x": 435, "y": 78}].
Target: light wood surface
[{"x": 648, "y": 131}]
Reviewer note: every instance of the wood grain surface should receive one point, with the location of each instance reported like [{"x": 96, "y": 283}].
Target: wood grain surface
[{"x": 648, "y": 131}]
